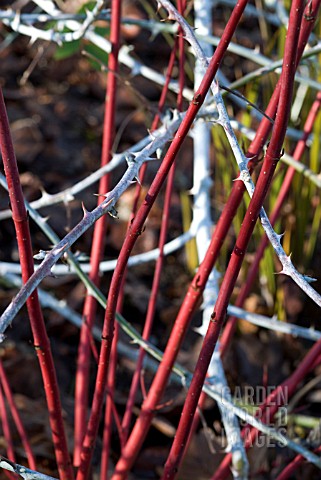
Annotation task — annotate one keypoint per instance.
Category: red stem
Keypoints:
(112, 370)
(251, 275)
(98, 243)
(41, 341)
(16, 417)
(142, 424)
(270, 162)
(162, 239)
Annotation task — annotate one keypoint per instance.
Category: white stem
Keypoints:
(242, 161)
(202, 216)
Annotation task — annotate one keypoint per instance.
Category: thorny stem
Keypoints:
(288, 268)
(134, 163)
(270, 162)
(262, 134)
(97, 250)
(142, 425)
(251, 274)
(41, 341)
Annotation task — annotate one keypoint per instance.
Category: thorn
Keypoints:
(284, 271)
(237, 178)
(44, 194)
(138, 181)
(108, 202)
(193, 191)
(59, 250)
(257, 49)
(309, 279)
(150, 133)
(105, 195)
(84, 209)
(279, 236)
(171, 16)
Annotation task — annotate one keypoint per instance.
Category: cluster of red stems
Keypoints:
(301, 23)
